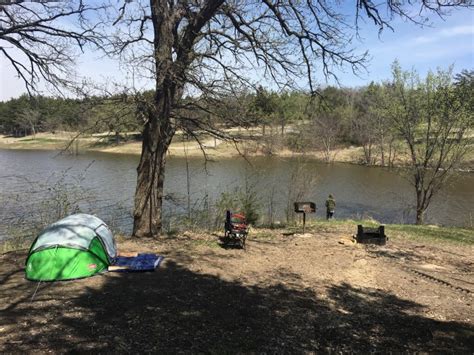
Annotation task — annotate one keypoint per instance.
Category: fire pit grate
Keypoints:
(366, 235)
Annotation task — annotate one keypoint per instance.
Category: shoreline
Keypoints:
(220, 149)
(215, 149)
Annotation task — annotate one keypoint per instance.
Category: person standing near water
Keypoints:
(330, 207)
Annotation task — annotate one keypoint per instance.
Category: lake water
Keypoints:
(34, 183)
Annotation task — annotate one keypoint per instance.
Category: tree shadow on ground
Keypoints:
(176, 310)
(228, 243)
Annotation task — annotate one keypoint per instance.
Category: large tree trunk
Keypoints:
(158, 130)
(151, 174)
(157, 136)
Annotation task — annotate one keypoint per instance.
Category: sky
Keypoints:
(443, 43)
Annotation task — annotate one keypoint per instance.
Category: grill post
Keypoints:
(305, 207)
(304, 221)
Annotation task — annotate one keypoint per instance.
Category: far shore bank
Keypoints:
(214, 148)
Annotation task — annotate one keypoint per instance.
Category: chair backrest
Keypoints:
(238, 218)
(228, 215)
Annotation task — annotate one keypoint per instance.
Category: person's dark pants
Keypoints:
(329, 214)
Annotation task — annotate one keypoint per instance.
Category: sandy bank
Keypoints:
(214, 148)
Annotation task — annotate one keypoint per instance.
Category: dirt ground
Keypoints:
(298, 293)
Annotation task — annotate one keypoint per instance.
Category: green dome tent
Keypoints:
(77, 246)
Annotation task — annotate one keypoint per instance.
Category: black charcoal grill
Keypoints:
(366, 235)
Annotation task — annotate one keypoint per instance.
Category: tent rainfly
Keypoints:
(77, 246)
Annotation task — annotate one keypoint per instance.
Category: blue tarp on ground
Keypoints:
(141, 262)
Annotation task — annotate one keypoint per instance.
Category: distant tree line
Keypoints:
(27, 115)
(366, 117)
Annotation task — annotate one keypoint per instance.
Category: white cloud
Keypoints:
(459, 30)
(439, 52)
(446, 33)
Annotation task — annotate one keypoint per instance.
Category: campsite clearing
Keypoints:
(285, 293)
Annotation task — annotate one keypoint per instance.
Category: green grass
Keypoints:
(413, 232)
(433, 233)
(348, 227)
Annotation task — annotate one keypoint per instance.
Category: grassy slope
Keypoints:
(426, 233)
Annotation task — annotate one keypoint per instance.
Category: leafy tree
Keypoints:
(326, 127)
(433, 119)
(112, 115)
(291, 107)
(464, 82)
(50, 114)
(28, 119)
(264, 107)
(9, 113)
(373, 128)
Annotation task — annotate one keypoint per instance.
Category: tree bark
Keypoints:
(382, 149)
(367, 147)
(420, 216)
(158, 130)
(150, 181)
(390, 158)
(420, 205)
(327, 145)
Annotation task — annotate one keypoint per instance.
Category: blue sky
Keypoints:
(445, 42)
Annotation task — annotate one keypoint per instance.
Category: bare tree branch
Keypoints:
(37, 40)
